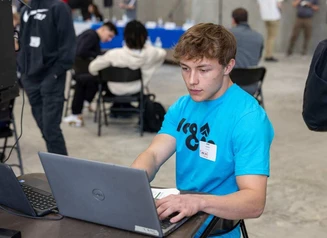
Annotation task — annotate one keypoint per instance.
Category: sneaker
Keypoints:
(271, 59)
(74, 120)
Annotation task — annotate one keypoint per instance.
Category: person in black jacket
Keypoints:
(88, 47)
(47, 52)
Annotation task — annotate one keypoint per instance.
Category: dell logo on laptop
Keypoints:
(98, 194)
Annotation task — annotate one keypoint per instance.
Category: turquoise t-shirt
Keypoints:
(239, 134)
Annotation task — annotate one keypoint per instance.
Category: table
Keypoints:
(68, 227)
(169, 38)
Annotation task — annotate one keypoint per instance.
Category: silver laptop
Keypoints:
(106, 194)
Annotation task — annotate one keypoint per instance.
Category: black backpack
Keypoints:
(315, 93)
(153, 115)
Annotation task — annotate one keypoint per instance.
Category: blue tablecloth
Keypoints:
(169, 38)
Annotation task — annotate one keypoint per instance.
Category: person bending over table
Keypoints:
(134, 54)
(88, 47)
(220, 134)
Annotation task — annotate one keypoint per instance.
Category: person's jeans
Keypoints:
(46, 96)
(85, 89)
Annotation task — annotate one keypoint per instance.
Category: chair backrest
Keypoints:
(247, 76)
(120, 75)
(81, 66)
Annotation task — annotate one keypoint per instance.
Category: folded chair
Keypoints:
(119, 75)
(8, 129)
(250, 76)
(219, 226)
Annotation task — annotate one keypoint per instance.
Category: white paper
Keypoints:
(159, 193)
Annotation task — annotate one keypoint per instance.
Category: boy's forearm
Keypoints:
(240, 205)
(146, 161)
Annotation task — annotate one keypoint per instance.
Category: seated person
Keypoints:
(134, 54)
(249, 44)
(88, 47)
(223, 149)
(95, 13)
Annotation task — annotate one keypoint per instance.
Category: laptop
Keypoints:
(104, 193)
(21, 197)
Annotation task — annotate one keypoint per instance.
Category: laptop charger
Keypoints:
(6, 233)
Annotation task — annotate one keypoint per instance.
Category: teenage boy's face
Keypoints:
(205, 79)
(107, 35)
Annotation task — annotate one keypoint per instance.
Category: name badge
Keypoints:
(35, 41)
(208, 151)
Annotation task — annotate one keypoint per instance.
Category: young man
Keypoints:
(88, 47)
(219, 132)
(305, 13)
(47, 41)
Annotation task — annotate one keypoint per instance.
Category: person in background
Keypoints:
(305, 12)
(47, 52)
(95, 13)
(270, 11)
(222, 150)
(134, 54)
(249, 44)
(130, 7)
(88, 48)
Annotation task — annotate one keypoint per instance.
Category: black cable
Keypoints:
(21, 128)
(57, 218)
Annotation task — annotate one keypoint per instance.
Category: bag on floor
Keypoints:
(154, 114)
(315, 92)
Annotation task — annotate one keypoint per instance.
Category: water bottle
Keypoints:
(148, 41)
(158, 42)
(160, 22)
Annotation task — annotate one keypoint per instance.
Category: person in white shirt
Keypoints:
(134, 54)
(270, 14)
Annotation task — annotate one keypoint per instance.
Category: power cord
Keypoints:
(21, 128)
(57, 218)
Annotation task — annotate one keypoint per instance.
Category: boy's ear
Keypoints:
(228, 68)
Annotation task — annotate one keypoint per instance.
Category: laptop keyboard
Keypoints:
(165, 223)
(41, 201)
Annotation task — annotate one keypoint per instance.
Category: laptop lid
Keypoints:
(11, 192)
(102, 193)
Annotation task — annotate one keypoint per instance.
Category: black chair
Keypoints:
(219, 226)
(8, 129)
(119, 75)
(250, 76)
(80, 70)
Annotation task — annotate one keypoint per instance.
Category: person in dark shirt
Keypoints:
(249, 44)
(88, 48)
(47, 41)
(305, 13)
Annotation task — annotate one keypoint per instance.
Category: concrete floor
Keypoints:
(297, 191)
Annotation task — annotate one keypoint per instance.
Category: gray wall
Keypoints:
(208, 11)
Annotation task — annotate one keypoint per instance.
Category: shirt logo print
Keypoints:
(192, 142)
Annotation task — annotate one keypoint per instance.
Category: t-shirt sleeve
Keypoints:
(252, 138)
(170, 124)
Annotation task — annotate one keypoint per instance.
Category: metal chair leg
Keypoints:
(68, 96)
(243, 229)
